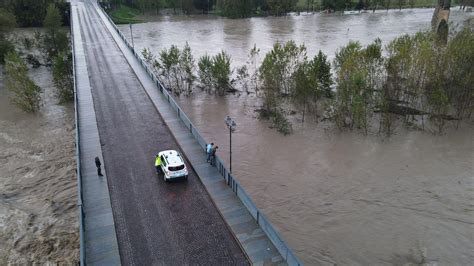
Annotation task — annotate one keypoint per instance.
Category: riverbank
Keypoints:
(127, 14)
(38, 199)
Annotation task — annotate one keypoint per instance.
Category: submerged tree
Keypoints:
(205, 72)
(169, 64)
(221, 72)
(187, 68)
(253, 67)
(277, 70)
(27, 95)
(359, 80)
(458, 69)
(7, 23)
(63, 77)
(54, 40)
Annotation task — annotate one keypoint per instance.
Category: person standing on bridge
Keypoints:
(208, 151)
(158, 164)
(98, 164)
(213, 155)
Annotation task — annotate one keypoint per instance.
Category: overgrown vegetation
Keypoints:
(54, 40)
(31, 13)
(419, 78)
(63, 77)
(7, 23)
(54, 46)
(125, 15)
(415, 80)
(27, 95)
(124, 11)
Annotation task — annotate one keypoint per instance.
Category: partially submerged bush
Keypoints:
(27, 95)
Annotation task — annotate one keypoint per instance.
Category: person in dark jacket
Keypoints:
(98, 164)
(213, 155)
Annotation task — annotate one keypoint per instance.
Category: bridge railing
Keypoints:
(82, 248)
(237, 188)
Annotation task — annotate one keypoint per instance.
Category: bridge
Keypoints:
(129, 216)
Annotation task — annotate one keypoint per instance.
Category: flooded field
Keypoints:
(38, 192)
(336, 197)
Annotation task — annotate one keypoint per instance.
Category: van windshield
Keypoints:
(176, 168)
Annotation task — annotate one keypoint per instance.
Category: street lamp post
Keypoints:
(231, 125)
(131, 34)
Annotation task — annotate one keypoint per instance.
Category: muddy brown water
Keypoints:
(336, 197)
(38, 192)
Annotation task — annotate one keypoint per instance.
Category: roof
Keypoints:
(173, 158)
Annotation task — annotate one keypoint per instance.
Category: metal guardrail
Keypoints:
(237, 188)
(82, 252)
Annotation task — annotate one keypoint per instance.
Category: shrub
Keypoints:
(27, 95)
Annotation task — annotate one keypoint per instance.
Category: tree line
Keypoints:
(52, 42)
(31, 13)
(248, 8)
(415, 80)
(230, 8)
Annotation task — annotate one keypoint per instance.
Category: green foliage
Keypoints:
(221, 72)
(337, 4)
(214, 72)
(459, 69)
(357, 82)
(148, 55)
(125, 15)
(278, 119)
(30, 13)
(27, 95)
(281, 123)
(169, 64)
(279, 7)
(304, 89)
(52, 21)
(6, 46)
(253, 68)
(277, 69)
(237, 8)
(176, 66)
(243, 77)
(63, 77)
(187, 68)
(321, 76)
(439, 104)
(7, 21)
(420, 76)
(55, 39)
(205, 71)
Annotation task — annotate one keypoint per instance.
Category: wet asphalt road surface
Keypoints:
(157, 223)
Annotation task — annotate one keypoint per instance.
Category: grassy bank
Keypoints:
(125, 15)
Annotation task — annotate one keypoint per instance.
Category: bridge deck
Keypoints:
(155, 222)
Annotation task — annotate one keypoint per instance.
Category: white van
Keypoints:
(172, 165)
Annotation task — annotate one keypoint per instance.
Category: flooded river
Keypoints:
(336, 197)
(38, 186)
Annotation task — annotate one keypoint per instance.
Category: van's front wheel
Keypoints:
(164, 178)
